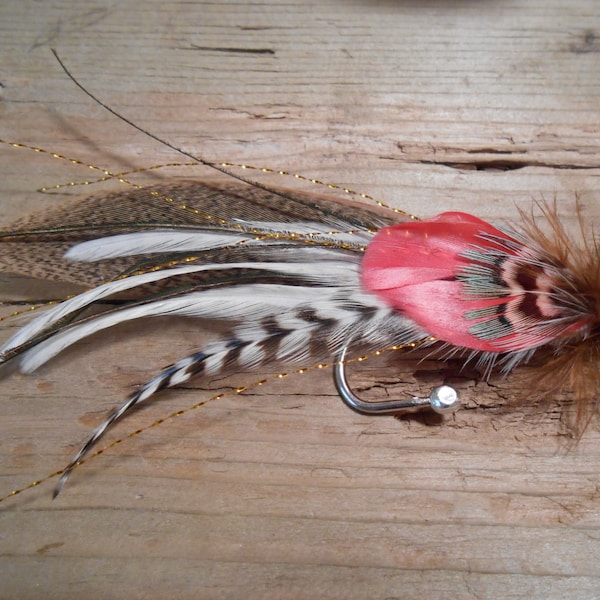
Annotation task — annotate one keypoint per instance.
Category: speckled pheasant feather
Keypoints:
(297, 277)
(300, 277)
(282, 270)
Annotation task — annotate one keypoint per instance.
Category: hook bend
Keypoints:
(443, 399)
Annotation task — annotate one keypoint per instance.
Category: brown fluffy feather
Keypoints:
(573, 365)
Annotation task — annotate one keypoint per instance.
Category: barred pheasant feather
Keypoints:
(282, 269)
(298, 277)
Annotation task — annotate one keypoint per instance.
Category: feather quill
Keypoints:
(298, 277)
(289, 287)
(301, 287)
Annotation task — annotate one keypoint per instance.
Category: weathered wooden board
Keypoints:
(283, 492)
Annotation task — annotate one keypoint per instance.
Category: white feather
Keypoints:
(295, 344)
(251, 356)
(181, 375)
(250, 302)
(331, 273)
(149, 242)
(317, 231)
(65, 308)
(159, 240)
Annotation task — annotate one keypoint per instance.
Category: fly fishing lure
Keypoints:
(300, 277)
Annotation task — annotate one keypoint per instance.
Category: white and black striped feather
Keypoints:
(283, 271)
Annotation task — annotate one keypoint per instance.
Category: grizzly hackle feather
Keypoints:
(282, 269)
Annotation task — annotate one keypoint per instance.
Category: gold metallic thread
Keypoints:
(121, 177)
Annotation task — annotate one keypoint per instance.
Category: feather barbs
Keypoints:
(503, 294)
(305, 284)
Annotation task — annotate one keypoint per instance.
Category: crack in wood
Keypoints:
(231, 50)
(498, 164)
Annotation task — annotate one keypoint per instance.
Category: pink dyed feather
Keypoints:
(415, 266)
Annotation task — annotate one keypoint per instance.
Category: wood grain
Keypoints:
(282, 492)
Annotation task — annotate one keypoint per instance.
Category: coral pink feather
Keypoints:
(469, 284)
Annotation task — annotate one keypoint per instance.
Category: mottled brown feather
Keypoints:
(573, 366)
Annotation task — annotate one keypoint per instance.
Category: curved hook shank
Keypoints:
(443, 399)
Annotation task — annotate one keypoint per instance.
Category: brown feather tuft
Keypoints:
(574, 363)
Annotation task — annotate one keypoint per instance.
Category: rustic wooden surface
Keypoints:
(283, 492)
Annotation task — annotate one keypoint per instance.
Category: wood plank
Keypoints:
(283, 492)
